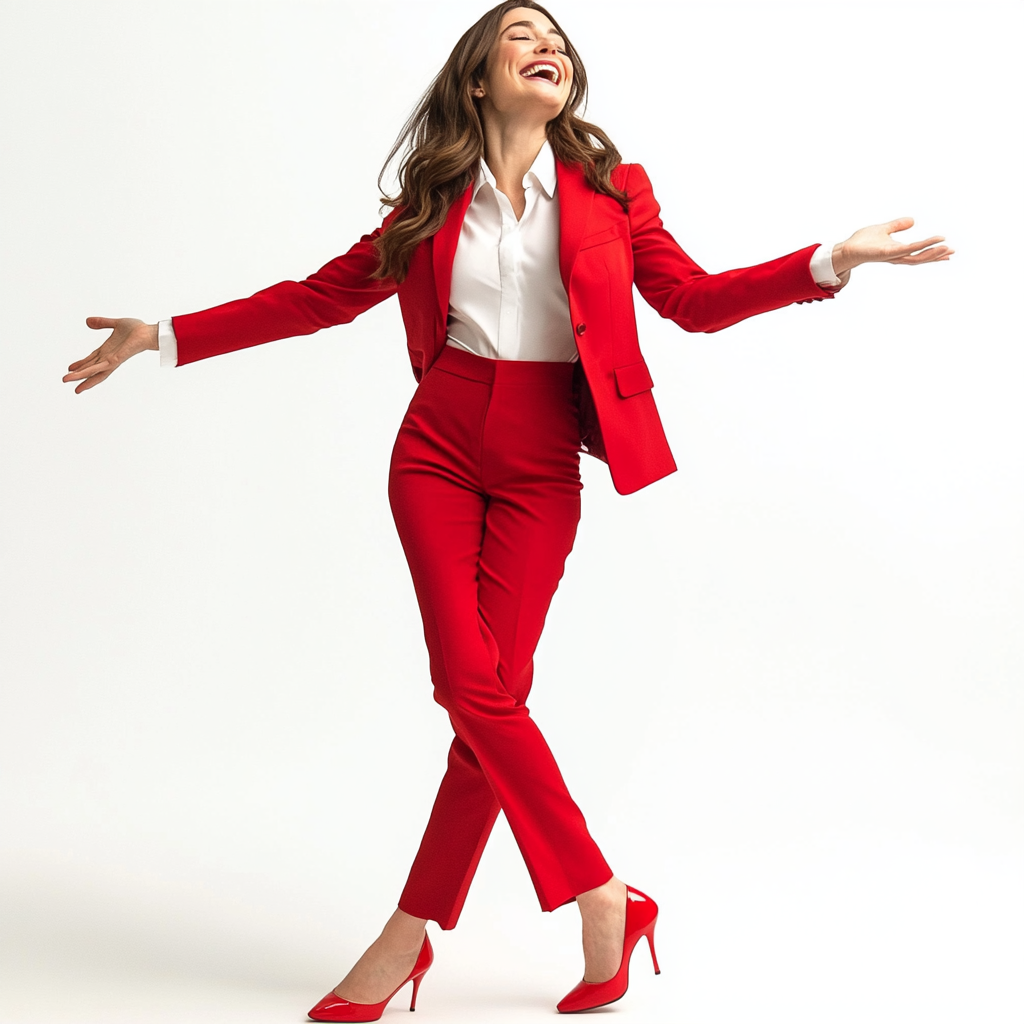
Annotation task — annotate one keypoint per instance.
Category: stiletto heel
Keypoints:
(654, 956)
(641, 917)
(334, 1008)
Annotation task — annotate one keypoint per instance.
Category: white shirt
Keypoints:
(507, 297)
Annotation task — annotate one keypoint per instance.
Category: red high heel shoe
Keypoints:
(641, 916)
(334, 1008)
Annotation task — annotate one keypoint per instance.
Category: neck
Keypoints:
(510, 147)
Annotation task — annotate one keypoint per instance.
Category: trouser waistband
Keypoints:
(502, 371)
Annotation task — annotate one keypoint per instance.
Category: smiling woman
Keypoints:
(514, 244)
(494, 77)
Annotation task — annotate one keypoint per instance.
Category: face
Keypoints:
(528, 72)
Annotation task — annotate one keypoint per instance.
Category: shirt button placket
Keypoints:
(508, 266)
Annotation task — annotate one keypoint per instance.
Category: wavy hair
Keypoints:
(443, 141)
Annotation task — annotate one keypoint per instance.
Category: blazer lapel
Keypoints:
(445, 243)
(575, 198)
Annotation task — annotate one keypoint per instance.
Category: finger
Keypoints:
(913, 261)
(921, 249)
(928, 256)
(88, 371)
(82, 362)
(98, 323)
(906, 250)
(931, 254)
(85, 365)
(899, 224)
(92, 382)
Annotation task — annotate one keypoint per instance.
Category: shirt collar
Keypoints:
(542, 171)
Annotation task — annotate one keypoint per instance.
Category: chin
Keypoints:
(553, 104)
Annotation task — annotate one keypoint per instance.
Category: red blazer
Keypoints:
(603, 252)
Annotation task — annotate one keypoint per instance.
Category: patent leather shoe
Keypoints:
(334, 1008)
(641, 916)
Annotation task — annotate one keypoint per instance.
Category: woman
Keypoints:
(513, 246)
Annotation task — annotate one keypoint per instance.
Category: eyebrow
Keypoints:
(530, 24)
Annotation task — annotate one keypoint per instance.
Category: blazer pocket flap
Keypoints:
(632, 379)
(616, 231)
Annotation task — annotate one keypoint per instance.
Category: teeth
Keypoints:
(530, 72)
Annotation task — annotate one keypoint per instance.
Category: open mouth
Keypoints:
(544, 72)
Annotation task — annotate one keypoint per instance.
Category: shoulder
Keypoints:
(631, 178)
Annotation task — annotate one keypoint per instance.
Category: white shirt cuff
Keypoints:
(821, 267)
(169, 343)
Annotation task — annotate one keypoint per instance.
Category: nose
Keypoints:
(547, 45)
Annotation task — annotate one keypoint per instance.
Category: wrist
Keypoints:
(839, 259)
(151, 336)
(842, 262)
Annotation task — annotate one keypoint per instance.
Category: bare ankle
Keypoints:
(403, 932)
(611, 892)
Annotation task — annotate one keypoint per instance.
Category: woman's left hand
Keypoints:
(875, 244)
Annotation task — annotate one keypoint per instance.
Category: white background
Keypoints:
(784, 684)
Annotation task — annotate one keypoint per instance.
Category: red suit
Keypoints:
(484, 487)
(603, 253)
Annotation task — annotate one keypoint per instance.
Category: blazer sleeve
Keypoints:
(680, 290)
(336, 294)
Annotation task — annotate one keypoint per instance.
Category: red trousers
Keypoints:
(485, 491)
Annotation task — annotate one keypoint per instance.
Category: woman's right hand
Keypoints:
(129, 337)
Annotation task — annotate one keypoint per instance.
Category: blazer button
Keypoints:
(581, 328)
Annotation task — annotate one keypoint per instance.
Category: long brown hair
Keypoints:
(445, 140)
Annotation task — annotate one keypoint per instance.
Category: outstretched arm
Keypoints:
(337, 293)
(682, 291)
